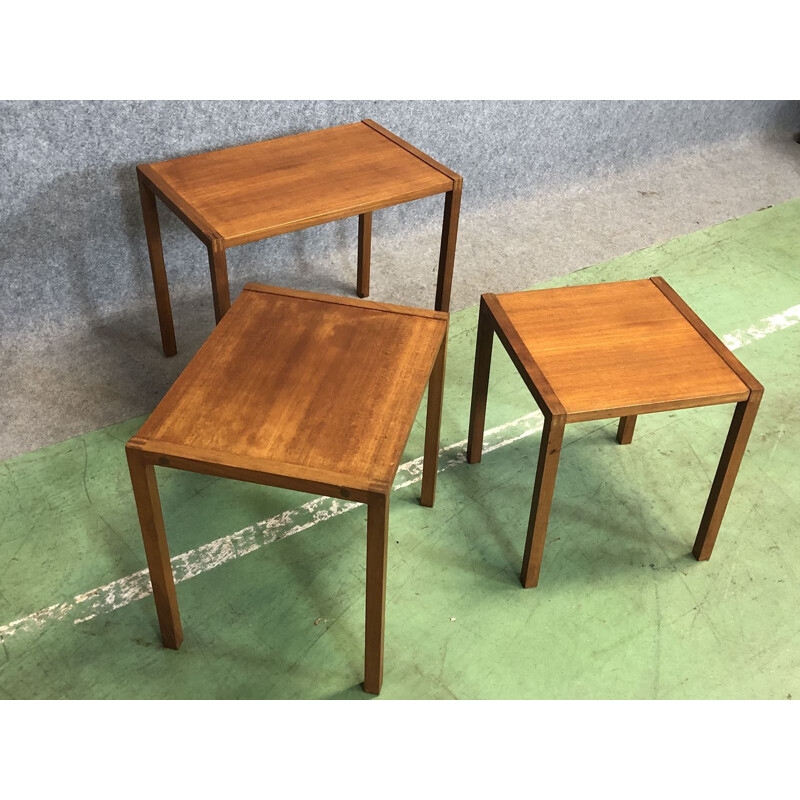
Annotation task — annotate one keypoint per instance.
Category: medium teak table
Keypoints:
(611, 350)
(250, 192)
(300, 391)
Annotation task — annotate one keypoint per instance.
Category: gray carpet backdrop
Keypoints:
(73, 251)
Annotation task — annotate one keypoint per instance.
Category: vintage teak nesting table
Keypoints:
(300, 391)
(243, 194)
(604, 351)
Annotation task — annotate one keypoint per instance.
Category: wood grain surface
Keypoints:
(609, 348)
(253, 191)
(325, 386)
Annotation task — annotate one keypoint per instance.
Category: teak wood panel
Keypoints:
(327, 386)
(249, 192)
(607, 348)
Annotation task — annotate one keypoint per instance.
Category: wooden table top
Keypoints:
(298, 384)
(633, 346)
(253, 191)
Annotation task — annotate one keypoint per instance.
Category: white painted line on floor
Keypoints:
(777, 322)
(194, 562)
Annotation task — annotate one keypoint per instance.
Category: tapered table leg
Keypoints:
(480, 384)
(152, 231)
(433, 424)
(151, 520)
(625, 429)
(364, 252)
(377, 547)
(732, 452)
(447, 253)
(218, 264)
(549, 451)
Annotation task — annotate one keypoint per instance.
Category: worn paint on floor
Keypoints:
(272, 600)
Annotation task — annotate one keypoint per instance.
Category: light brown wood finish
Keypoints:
(710, 338)
(607, 349)
(611, 350)
(364, 253)
(546, 471)
(218, 265)
(153, 232)
(625, 429)
(275, 396)
(538, 383)
(251, 192)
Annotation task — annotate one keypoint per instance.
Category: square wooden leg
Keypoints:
(151, 520)
(480, 383)
(549, 452)
(152, 230)
(625, 429)
(364, 252)
(218, 264)
(433, 425)
(447, 253)
(377, 548)
(732, 452)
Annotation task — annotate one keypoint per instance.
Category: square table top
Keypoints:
(253, 191)
(312, 387)
(603, 350)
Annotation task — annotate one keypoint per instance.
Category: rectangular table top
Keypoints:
(305, 385)
(602, 349)
(253, 191)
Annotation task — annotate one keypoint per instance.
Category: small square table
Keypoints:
(611, 350)
(254, 191)
(301, 391)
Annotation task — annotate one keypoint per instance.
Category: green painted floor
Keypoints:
(622, 609)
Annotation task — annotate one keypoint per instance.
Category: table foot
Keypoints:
(625, 429)
(377, 548)
(732, 452)
(549, 452)
(151, 520)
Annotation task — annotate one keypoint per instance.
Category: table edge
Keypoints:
(711, 339)
(431, 162)
(368, 305)
(256, 470)
(198, 224)
(544, 394)
(658, 406)
(205, 231)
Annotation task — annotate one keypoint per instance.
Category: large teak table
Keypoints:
(611, 350)
(300, 391)
(243, 194)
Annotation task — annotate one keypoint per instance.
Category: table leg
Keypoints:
(729, 462)
(364, 251)
(447, 253)
(549, 451)
(433, 424)
(480, 383)
(154, 247)
(218, 264)
(151, 520)
(377, 546)
(625, 429)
